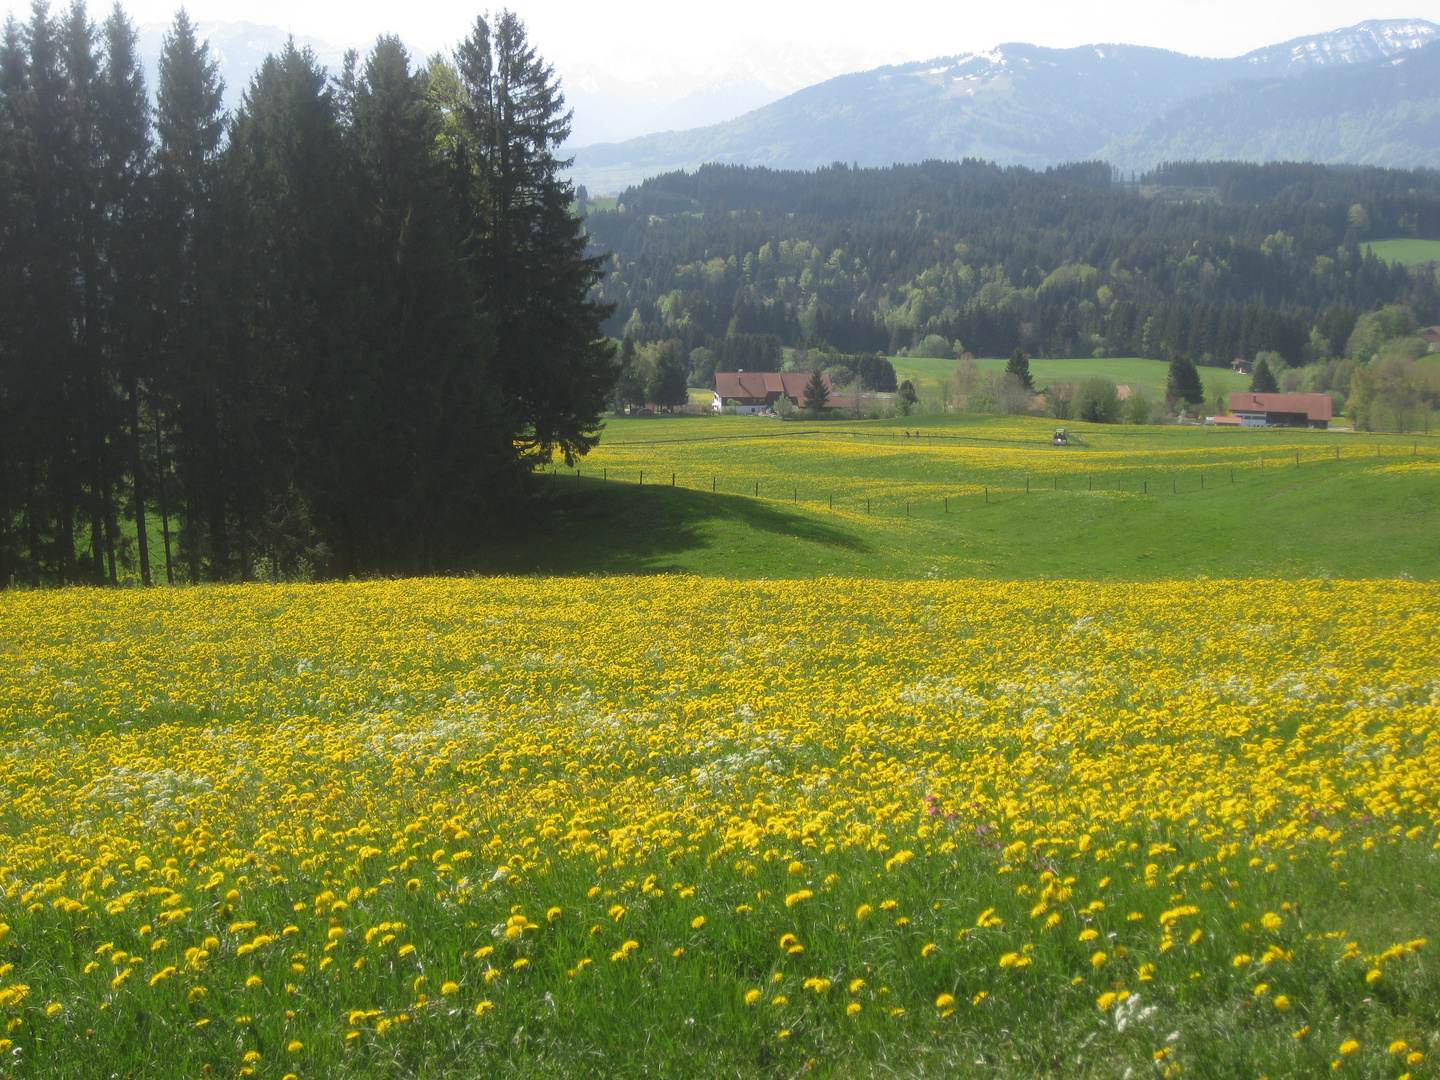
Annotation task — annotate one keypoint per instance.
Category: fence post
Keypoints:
(867, 506)
(1337, 453)
(604, 474)
(987, 494)
(1055, 483)
(1174, 486)
(947, 504)
(832, 502)
(1147, 487)
(796, 499)
(1297, 459)
(713, 481)
(757, 489)
(1232, 474)
(1089, 482)
(672, 479)
(1202, 481)
(642, 477)
(1027, 485)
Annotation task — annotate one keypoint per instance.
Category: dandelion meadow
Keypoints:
(691, 827)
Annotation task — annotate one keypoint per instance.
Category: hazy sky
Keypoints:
(636, 36)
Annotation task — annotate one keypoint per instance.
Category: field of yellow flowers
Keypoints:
(690, 827)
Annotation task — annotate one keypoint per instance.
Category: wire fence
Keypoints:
(1189, 479)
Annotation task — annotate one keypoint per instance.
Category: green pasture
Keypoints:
(1141, 375)
(1407, 252)
(754, 498)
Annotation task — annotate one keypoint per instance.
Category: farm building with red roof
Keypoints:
(1282, 410)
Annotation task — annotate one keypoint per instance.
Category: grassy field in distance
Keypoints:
(1408, 252)
(1141, 375)
(1128, 504)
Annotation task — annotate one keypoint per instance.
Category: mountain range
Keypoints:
(1368, 93)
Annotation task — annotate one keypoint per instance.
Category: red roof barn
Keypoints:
(1282, 410)
(756, 391)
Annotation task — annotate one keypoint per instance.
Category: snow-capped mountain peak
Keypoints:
(1371, 40)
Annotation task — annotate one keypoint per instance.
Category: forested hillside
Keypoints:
(1380, 113)
(1217, 260)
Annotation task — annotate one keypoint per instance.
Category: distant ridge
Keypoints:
(1015, 104)
(1385, 112)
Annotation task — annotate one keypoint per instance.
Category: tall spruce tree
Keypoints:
(48, 386)
(816, 396)
(15, 551)
(286, 328)
(1019, 366)
(532, 274)
(1262, 379)
(1182, 382)
(189, 122)
(124, 189)
(95, 409)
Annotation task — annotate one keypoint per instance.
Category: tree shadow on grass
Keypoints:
(617, 528)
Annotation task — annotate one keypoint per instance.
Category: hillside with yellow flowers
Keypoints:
(698, 826)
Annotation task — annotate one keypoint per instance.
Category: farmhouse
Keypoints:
(1431, 335)
(1282, 410)
(1242, 367)
(757, 391)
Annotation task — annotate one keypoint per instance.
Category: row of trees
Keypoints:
(327, 334)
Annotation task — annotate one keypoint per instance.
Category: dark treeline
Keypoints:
(329, 334)
(1064, 263)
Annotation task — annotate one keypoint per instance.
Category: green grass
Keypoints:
(1142, 376)
(860, 498)
(1407, 252)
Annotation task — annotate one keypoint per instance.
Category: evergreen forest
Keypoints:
(330, 333)
(1215, 260)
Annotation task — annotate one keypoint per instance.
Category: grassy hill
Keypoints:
(949, 500)
(1146, 376)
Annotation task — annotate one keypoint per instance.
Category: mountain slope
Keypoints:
(1386, 112)
(1017, 104)
(1020, 104)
